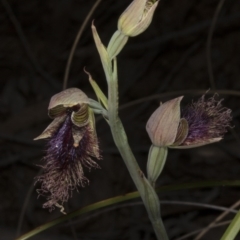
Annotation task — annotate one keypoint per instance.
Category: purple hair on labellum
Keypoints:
(72, 145)
(207, 120)
(63, 171)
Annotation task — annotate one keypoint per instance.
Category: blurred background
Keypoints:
(168, 60)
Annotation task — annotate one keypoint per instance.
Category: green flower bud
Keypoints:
(137, 17)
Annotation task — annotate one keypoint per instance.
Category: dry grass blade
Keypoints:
(209, 41)
(219, 218)
(197, 231)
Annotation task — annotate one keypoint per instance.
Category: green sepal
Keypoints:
(107, 66)
(156, 160)
(99, 93)
(116, 44)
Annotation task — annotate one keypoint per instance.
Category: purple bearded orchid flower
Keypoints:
(72, 144)
(202, 122)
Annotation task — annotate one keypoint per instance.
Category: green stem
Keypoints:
(147, 193)
(233, 228)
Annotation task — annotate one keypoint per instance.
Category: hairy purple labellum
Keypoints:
(69, 149)
(200, 123)
(207, 120)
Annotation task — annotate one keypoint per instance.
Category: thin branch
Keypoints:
(163, 202)
(79, 34)
(209, 41)
(199, 230)
(219, 218)
(177, 93)
(24, 207)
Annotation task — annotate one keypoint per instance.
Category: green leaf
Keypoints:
(126, 197)
(233, 228)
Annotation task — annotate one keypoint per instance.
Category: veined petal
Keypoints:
(137, 17)
(66, 99)
(132, 15)
(145, 22)
(163, 124)
(80, 117)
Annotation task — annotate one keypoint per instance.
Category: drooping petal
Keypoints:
(69, 149)
(52, 127)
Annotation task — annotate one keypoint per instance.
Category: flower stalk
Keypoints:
(146, 191)
(130, 24)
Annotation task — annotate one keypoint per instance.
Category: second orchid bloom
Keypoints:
(200, 123)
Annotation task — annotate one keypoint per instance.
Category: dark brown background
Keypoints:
(170, 56)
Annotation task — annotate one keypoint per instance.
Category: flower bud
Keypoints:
(137, 17)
